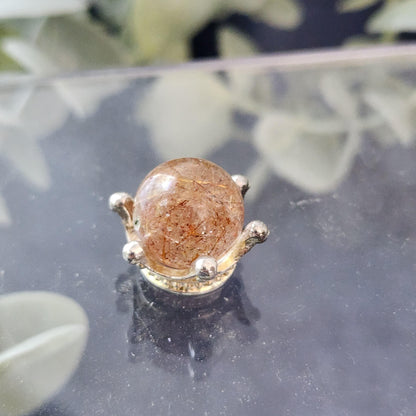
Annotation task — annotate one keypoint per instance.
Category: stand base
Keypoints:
(189, 287)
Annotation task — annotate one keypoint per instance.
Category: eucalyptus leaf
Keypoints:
(344, 6)
(10, 9)
(154, 25)
(187, 114)
(337, 95)
(29, 56)
(232, 44)
(40, 102)
(178, 51)
(259, 173)
(397, 112)
(244, 6)
(40, 350)
(28, 29)
(7, 63)
(66, 44)
(283, 14)
(115, 11)
(12, 102)
(314, 163)
(20, 112)
(26, 156)
(397, 16)
(73, 43)
(5, 218)
(81, 100)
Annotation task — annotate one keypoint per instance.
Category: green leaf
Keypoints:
(28, 56)
(13, 101)
(30, 8)
(283, 14)
(153, 26)
(338, 96)
(347, 6)
(234, 44)
(77, 43)
(6, 62)
(5, 218)
(24, 28)
(314, 163)
(67, 44)
(114, 11)
(42, 348)
(395, 109)
(80, 99)
(244, 6)
(176, 99)
(39, 102)
(398, 16)
(27, 158)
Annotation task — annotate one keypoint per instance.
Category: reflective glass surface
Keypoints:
(318, 320)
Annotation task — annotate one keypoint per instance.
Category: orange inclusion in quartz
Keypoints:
(186, 208)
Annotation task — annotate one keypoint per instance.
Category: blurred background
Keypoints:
(48, 36)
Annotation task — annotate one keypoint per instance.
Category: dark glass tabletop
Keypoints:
(318, 320)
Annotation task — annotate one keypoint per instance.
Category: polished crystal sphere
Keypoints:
(184, 209)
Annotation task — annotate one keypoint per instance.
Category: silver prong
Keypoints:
(122, 203)
(258, 230)
(255, 232)
(205, 268)
(133, 253)
(242, 182)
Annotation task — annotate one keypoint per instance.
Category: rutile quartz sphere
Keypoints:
(186, 208)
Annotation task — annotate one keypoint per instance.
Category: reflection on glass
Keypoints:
(183, 338)
(306, 126)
